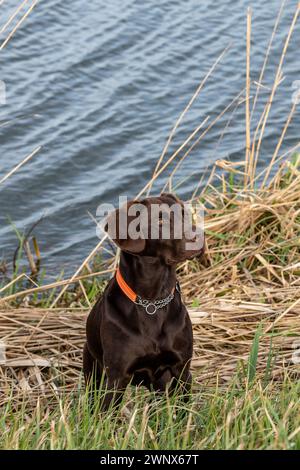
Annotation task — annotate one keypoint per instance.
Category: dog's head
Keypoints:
(159, 227)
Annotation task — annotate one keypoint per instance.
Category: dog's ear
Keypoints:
(117, 224)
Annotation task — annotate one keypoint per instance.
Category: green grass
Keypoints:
(242, 415)
(247, 413)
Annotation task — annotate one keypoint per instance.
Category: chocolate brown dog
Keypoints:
(139, 331)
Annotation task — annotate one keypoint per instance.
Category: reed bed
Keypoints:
(42, 348)
(42, 351)
(243, 296)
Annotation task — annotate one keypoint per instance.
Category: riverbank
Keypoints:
(248, 277)
(244, 303)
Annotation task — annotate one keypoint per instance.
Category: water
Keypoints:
(100, 84)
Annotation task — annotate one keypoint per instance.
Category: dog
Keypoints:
(139, 331)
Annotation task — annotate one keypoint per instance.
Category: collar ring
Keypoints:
(151, 309)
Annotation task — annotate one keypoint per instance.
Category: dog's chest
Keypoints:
(155, 333)
(153, 363)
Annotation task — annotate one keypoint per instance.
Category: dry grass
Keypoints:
(43, 349)
(13, 17)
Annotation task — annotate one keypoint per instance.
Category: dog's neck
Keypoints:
(147, 277)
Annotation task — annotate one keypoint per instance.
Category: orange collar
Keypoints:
(125, 287)
(149, 306)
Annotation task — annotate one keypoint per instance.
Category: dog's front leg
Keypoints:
(91, 369)
(115, 391)
(94, 377)
(181, 383)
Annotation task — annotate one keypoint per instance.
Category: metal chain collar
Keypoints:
(152, 307)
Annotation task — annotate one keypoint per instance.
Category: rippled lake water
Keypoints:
(99, 86)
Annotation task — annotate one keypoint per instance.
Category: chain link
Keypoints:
(152, 307)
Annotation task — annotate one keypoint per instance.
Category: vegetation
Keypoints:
(242, 415)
